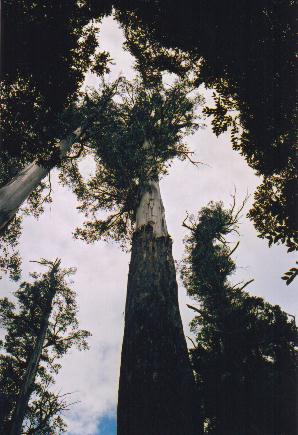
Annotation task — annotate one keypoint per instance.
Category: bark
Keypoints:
(156, 387)
(151, 210)
(14, 193)
(32, 366)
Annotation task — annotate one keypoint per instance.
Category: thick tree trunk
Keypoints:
(156, 388)
(14, 193)
(32, 366)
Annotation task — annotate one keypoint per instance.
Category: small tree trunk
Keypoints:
(156, 387)
(31, 370)
(14, 193)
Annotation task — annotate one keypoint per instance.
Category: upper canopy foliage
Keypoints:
(134, 131)
(46, 49)
(245, 52)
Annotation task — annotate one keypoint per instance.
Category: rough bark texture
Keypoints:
(14, 193)
(156, 388)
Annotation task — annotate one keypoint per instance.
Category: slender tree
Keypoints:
(142, 130)
(41, 331)
(245, 354)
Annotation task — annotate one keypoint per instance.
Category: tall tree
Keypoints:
(39, 331)
(245, 350)
(134, 139)
(245, 52)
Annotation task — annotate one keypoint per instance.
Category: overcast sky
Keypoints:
(101, 277)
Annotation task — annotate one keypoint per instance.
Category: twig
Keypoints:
(234, 249)
(195, 309)
(194, 162)
(248, 282)
(190, 339)
(185, 225)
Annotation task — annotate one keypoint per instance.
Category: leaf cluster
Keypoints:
(275, 213)
(247, 54)
(47, 48)
(134, 131)
(10, 260)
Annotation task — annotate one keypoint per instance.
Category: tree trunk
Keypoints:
(14, 193)
(156, 387)
(31, 370)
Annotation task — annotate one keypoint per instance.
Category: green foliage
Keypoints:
(245, 53)
(47, 48)
(245, 355)
(150, 56)
(135, 131)
(290, 275)
(274, 212)
(10, 260)
(22, 322)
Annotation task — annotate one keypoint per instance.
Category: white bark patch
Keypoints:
(14, 193)
(151, 210)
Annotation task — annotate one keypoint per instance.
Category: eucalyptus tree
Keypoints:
(40, 329)
(245, 349)
(135, 137)
(245, 53)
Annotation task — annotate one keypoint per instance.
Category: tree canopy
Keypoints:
(134, 131)
(47, 47)
(243, 51)
(245, 350)
(247, 52)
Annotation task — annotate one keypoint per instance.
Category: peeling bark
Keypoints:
(156, 387)
(151, 210)
(14, 193)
